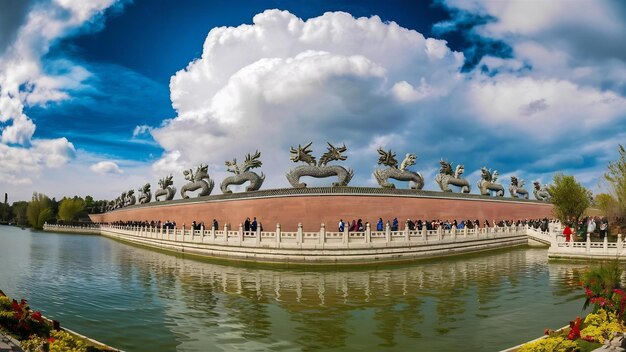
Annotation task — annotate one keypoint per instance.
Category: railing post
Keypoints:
(299, 234)
(424, 232)
(439, 233)
(183, 239)
(606, 244)
(202, 230)
(406, 231)
(368, 233)
(588, 244)
(465, 231)
(453, 230)
(258, 235)
(240, 232)
(322, 235)
(388, 233)
(213, 229)
(620, 244)
(344, 236)
(225, 233)
(277, 233)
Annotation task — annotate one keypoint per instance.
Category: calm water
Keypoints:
(141, 300)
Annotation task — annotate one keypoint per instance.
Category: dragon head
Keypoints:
(513, 180)
(302, 154)
(333, 154)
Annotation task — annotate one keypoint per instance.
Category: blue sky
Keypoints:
(101, 97)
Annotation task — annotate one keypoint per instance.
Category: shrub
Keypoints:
(61, 341)
(550, 344)
(601, 326)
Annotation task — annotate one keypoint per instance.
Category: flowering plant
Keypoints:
(603, 290)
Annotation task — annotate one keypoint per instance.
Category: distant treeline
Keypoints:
(41, 209)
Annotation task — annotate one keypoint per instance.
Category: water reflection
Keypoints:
(144, 300)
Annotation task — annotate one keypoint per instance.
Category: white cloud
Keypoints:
(106, 167)
(24, 81)
(283, 81)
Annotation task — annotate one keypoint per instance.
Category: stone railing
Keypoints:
(319, 247)
(300, 237)
(588, 249)
(92, 229)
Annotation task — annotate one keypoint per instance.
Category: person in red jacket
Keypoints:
(567, 232)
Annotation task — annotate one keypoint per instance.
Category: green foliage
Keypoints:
(569, 197)
(39, 210)
(607, 204)
(70, 208)
(603, 289)
(20, 212)
(616, 178)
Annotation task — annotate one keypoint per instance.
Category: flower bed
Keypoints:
(607, 321)
(35, 332)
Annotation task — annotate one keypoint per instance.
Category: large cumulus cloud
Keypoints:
(282, 81)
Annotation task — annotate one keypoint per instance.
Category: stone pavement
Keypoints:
(8, 344)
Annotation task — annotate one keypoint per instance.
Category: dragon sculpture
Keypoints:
(120, 201)
(541, 193)
(130, 198)
(488, 183)
(200, 180)
(242, 173)
(416, 181)
(167, 189)
(446, 177)
(318, 169)
(517, 188)
(145, 196)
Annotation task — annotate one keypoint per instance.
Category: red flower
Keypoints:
(36, 316)
(574, 329)
(51, 339)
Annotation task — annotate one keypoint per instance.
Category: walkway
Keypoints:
(9, 344)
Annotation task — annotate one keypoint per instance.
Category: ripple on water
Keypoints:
(142, 300)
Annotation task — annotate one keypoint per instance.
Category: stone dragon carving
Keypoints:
(517, 188)
(318, 169)
(200, 180)
(541, 193)
(446, 177)
(167, 189)
(388, 158)
(243, 174)
(488, 183)
(130, 198)
(145, 196)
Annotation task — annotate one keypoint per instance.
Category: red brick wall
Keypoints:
(312, 210)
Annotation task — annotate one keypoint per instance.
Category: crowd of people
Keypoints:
(589, 225)
(359, 226)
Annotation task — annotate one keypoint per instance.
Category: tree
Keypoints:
(616, 178)
(607, 204)
(39, 210)
(70, 208)
(19, 212)
(570, 198)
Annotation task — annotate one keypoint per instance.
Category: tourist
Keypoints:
(410, 224)
(359, 225)
(567, 232)
(603, 228)
(591, 226)
(246, 225)
(394, 224)
(353, 227)
(379, 224)
(254, 224)
(341, 225)
(215, 225)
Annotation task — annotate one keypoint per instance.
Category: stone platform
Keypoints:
(312, 206)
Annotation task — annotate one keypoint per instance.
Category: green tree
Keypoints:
(570, 198)
(19, 212)
(39, 210)
(616, 178)
(607, 204)
(69, 209)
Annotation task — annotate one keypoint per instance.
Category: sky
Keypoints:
(102, 96)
